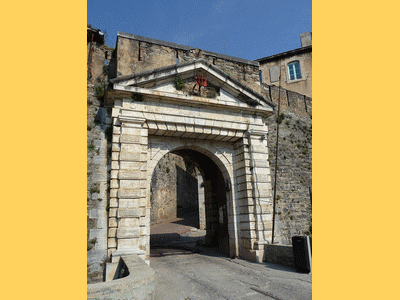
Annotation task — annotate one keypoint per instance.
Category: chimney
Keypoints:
(305, 39)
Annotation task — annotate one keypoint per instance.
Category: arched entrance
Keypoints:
(224, 136)
(177, 195)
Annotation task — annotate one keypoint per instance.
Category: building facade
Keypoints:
(292, 70)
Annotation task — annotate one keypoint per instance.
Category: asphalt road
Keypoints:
(184, 274)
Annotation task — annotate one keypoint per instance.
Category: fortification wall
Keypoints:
(136, 54)
(290, 101)
(294, 174)
(98, 150)
(100, 62)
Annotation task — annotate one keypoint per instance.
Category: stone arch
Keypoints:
(223, 160)
(152, 118)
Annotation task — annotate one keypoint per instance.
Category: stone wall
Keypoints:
(136, 54)
(293, 204)
(245, 73)
(139, 284)
(173, 190)
(290, 101)
(98, 146)
(279, 254)
(100, 62)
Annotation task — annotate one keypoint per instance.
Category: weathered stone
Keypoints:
(228, 129)
(128, 232)
(129, 193)
(129, 212)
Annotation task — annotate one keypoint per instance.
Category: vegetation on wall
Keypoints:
(212, 94)
(280, 118)
(99, 89)
(179, 83)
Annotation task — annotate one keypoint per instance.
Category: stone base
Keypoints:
(115, 256)
(257, 256)
(111, 268)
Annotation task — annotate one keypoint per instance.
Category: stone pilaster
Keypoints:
(129, 211)
(262, 195)
(254, 194)
(244, 197)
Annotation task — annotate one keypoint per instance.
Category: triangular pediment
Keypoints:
(220, 86)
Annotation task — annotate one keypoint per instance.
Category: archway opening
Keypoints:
(188, 202)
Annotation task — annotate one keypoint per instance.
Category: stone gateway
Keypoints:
(224, 135)
(154, 106)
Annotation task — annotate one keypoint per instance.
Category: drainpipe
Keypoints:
(276, 156)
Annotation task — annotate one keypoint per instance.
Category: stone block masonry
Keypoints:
(98, 124)
(139, 283)
(290, 101)
(293, 206)
(234, 128)
(100, 63)
(174, 189)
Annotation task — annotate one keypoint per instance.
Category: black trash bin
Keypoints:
(302, 253)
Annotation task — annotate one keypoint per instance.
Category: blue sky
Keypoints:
(247, 29)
